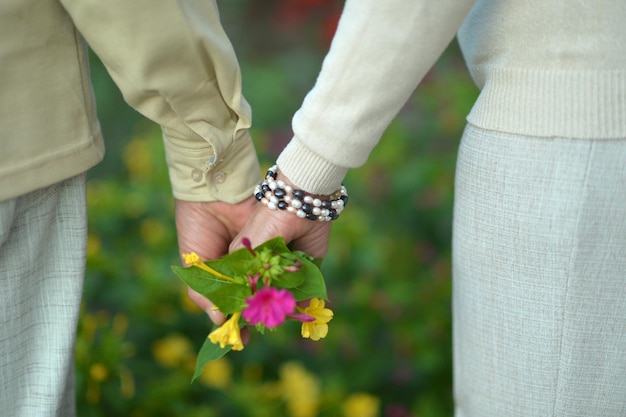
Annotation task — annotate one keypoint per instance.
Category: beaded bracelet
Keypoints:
(277, 195)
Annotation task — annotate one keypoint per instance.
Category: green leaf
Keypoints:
(276, 245)
(289, 279)
(199, 280)
(208, 352)
(313, 285)
(230, 298)
(318, 262)
(237, 264)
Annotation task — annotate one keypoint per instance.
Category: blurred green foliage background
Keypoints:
(388, 352)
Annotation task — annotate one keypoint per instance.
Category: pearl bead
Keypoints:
(296, 203)
(301, 214)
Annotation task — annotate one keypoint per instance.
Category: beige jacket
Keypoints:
(172, 62)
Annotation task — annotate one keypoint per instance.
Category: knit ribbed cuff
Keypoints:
(309, 171)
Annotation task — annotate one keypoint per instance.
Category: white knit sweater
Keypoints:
(545, 68)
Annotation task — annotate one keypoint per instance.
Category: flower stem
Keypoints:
(214, 272)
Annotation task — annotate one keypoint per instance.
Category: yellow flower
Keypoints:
(317, 329)
(98, 372)
(301, 390)
(228, 333)
(172, 351)
(192, 259)
(217, 374)
(361, 404)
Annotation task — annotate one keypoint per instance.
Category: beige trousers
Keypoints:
(539, 271)
(42, 262)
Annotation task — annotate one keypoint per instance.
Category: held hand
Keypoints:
(305, 235)
(208, 228)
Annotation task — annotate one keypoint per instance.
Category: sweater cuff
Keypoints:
(309, 171)
(199, 173)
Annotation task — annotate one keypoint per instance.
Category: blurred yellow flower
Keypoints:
(217, 374)
(138, 159)
(172, 351)
(317, 329)
(120, 324)
(152, 231)
(98, 372)
(93, 245)
(362, 405)
(228, 333)
(300, 390)
(127, 383)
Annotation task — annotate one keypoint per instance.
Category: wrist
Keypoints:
(278, 193)
(308, 170)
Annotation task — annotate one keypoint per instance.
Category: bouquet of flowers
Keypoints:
(262, 288)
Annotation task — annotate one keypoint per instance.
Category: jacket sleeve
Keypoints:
(174, 64)
(380, 52)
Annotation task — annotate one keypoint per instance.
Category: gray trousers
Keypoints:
(539, 270)
(42, 262)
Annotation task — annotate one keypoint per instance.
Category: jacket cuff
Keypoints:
(198, 172)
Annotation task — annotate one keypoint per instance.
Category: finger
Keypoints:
(304, 235)
(206, 305)
(245, 335)
(315, 243)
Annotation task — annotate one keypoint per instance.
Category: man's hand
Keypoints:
(208, 229)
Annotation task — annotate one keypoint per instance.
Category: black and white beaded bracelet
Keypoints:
(277, 195)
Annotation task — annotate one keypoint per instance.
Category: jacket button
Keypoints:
(219, 177)
(196, 175)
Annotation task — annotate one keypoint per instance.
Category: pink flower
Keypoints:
(269, 306)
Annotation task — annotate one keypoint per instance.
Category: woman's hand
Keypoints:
(305, 235)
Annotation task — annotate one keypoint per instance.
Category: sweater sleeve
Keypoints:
(174, 64)
(380, 52)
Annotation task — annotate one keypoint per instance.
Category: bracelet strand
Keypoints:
(277, 195)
